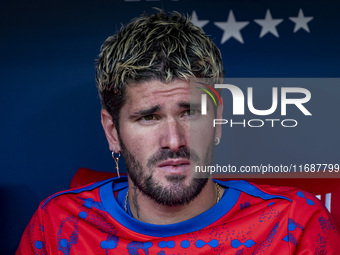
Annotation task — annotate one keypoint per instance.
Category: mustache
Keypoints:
(164, 154)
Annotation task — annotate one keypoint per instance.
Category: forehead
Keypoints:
(156, 92)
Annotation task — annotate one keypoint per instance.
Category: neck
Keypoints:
(147, 210)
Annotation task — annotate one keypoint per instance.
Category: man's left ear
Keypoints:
(110, 131)
(219, 115)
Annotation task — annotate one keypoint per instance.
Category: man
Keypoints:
(143, 75)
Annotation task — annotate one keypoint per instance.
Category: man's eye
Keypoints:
(191, 112)
(148, 117)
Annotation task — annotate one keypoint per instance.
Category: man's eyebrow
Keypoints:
(145, 112)
(188, 105)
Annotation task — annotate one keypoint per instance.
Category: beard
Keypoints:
(176, 192)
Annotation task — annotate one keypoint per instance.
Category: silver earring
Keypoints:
(217, 140)
(116, 159)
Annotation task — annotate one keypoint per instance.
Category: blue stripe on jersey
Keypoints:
(85, 188)
(250, 189)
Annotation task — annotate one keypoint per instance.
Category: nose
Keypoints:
(174, 135)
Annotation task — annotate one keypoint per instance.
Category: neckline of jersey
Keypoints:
(196, 223)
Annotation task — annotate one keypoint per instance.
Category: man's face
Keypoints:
(154, 138)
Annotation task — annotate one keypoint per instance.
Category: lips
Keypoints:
(174, 162)
(175, 165)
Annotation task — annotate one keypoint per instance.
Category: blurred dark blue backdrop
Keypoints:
(50, 111)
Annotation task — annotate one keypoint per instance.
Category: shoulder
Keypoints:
(87, 192)
(296, 196)
(302, 205)
(265, 192)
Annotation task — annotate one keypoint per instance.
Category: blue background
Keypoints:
(50, 111)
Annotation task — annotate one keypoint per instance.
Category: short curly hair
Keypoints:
(160, 47)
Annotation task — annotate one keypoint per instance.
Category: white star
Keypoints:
(301, 21)
(231, 28)
(268, 24)
(196, 22)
